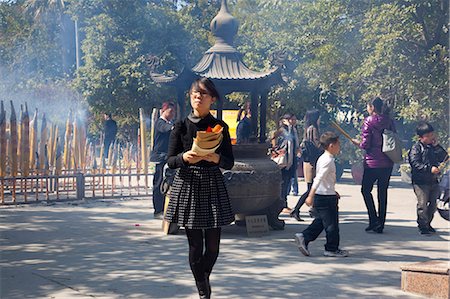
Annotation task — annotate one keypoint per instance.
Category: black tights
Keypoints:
(202, 263)
(302, 199)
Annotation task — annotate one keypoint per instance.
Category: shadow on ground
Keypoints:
(115, 250)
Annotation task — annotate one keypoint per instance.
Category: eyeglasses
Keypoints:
(202, 93)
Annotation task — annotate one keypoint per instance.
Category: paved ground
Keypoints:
(114, 249)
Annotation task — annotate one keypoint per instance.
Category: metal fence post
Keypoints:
(79, 177)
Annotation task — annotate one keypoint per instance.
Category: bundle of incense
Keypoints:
(208, 141)
(58, 157)
(55, 146)
(152, 128)
(82, 141)
(25, 142)
(43, 142)
(3, 152)
(337, 127)
(33, 140)
(144, 162)
(13, 141)
(75, 145)
(67, 143)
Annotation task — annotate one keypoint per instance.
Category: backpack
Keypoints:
(392, 146)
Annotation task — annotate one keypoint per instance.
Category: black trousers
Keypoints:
(202, 261)
(382, 177)
(158, 197)
(327, 217)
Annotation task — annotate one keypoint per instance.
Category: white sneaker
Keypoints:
(337, 253)
(300, 240)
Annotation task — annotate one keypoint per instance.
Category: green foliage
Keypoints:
(114, 77)
(397, 49)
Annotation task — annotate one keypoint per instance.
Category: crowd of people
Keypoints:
(199, 200)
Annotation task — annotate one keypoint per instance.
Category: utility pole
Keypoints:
(77, 47)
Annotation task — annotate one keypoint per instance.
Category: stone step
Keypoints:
(429, 278)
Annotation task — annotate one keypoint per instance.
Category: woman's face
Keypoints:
(285, 121)
(370, 109)
(201, 100)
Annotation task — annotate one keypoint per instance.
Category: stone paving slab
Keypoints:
(114, 249)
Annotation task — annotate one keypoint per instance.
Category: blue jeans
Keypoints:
(294, 184)
(286, 177)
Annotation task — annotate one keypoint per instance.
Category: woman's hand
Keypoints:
(191, 157)
(355, 142)
(213, 157)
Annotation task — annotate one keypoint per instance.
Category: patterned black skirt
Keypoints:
(199, 199)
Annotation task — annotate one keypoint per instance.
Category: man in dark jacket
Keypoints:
(163, 127)
(425, 157)
(110, 131)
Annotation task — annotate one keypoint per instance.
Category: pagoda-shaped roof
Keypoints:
(226, 66)
(222, 61)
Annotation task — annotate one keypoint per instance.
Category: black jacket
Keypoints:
(422, 157)
(181, 139)
(161, 140)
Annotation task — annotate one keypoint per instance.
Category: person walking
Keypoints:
(377, 166)
(284, 139)
(294, 181)
(198, 199)
(425, 157)
(163, 127)
(311, 135)
(324, 198)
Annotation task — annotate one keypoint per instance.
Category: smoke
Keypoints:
(56, 99)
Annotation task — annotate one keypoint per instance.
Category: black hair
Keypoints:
(286, 116)
(208, 84)
(328, 138)
(424, 128)
(311, 118)
(108, 114)
(242, 110)
(380, 106)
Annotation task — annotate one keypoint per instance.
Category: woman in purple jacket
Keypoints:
(377, 166)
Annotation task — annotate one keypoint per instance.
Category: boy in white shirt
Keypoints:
(325, 199)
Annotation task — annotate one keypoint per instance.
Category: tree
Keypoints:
(114, 77)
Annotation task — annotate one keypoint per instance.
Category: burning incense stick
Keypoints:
(337, 127)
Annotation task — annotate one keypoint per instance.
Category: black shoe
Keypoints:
(296, 215)
(425, 231)
(203, 290)
(432, 230)
(371, 227)
(378, 229)
(159, 216)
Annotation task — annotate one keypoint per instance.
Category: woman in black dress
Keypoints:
(198, 198)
